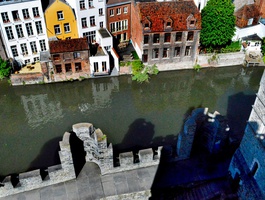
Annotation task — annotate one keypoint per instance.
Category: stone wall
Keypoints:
(248, 161)
(37, 178)
(26, 79)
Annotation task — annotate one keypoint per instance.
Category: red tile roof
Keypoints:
(60, 46)
(160, 12)
(245, 13)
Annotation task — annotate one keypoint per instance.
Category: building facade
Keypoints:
(171, 37)
(22, 27)
(60, 20)
(90, 17)
(70, 59)
(247, 167)
(119, 19)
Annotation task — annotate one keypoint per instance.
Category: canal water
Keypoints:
(34, 118)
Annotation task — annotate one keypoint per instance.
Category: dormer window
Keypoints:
(168, 24)
(191, 22)
(146, 25)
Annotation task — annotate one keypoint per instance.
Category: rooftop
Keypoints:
(157, 13)
(104, 33)
(118, 2)
(60, 46)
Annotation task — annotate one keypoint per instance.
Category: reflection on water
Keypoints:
(39, 110)
(130, 114)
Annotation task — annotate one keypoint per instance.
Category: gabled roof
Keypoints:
(60, 46)
(159, 12)
(245, 13)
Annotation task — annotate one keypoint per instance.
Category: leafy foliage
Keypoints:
(218, 23)
(263, 48)
(142, 73)
(197, 67)
(5, 68)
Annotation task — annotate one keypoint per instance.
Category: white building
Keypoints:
(200, 4)
(23, 29)
(90, 16)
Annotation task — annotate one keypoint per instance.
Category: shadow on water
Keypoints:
(48, 155)
(78, 153)
(238, 111)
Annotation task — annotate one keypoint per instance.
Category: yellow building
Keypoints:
(60, 20)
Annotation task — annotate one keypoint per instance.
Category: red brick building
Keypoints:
(119, 19)
(164, 32)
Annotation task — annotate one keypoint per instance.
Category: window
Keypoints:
(42, 45)
(58, 68)
(254, 169)
(124, 25)
(101, 24)
(146, 25)
(26, 61)
(165, 52)
(187, 51)
(57, 29)
(95, 66)
(60, 15)
(84, 22)
(35, 11)
(91, 36)
(100, 11)
(146, 39)
(250, 21)
(39, 27)
(25, 13)
(66, 27)
(125, 9)
(36, 59)
(178, 36)
(15, 15)
(68, 67)
(177, 51)
(19, 31)
(156, 38)
(29, 29)
(9, 32)
(90, 3)
(168, 24)
(77, 55)
(92, 21)
(112, 27)
(56, 57)
(104, 66)
(111, 12)
(118, 11)
(190, 36)
(118, 26)
(78, 67)
(5, 17)
(14, 51)
(155, 53)
(24, 49)
(33, 47)
(82, 4)
(167, 37)
(67, 56)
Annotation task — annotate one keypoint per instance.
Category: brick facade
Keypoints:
(171, 37)
(119, 19)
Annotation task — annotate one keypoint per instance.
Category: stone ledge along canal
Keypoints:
(133, 116)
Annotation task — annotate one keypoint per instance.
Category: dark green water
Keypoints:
(34, 118)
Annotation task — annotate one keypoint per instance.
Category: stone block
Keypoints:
(126, 159)
(146, 155)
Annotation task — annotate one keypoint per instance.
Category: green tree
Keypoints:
(218, 23)
(5, 68)
(263, 48)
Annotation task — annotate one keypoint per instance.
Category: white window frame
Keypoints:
(100, 11)
(82, 5)
(118, 11)
(14, 50)
(5, 17)
(90, 4)
(29, 29)
(19, 30)
(111, 12)
(39, 27)
(9, 33)
(25, 13)
(60, 15)
(57, 29)
(84, 22)
(35, 11)
(42, 45)
(33, 47)
(67, 28)
(125, 9)
(92, 21)
(101, 24)
(24, 49)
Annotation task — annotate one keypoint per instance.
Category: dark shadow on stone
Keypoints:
(78, 153)
(238, 111)
(48, 155)
(139, 136)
